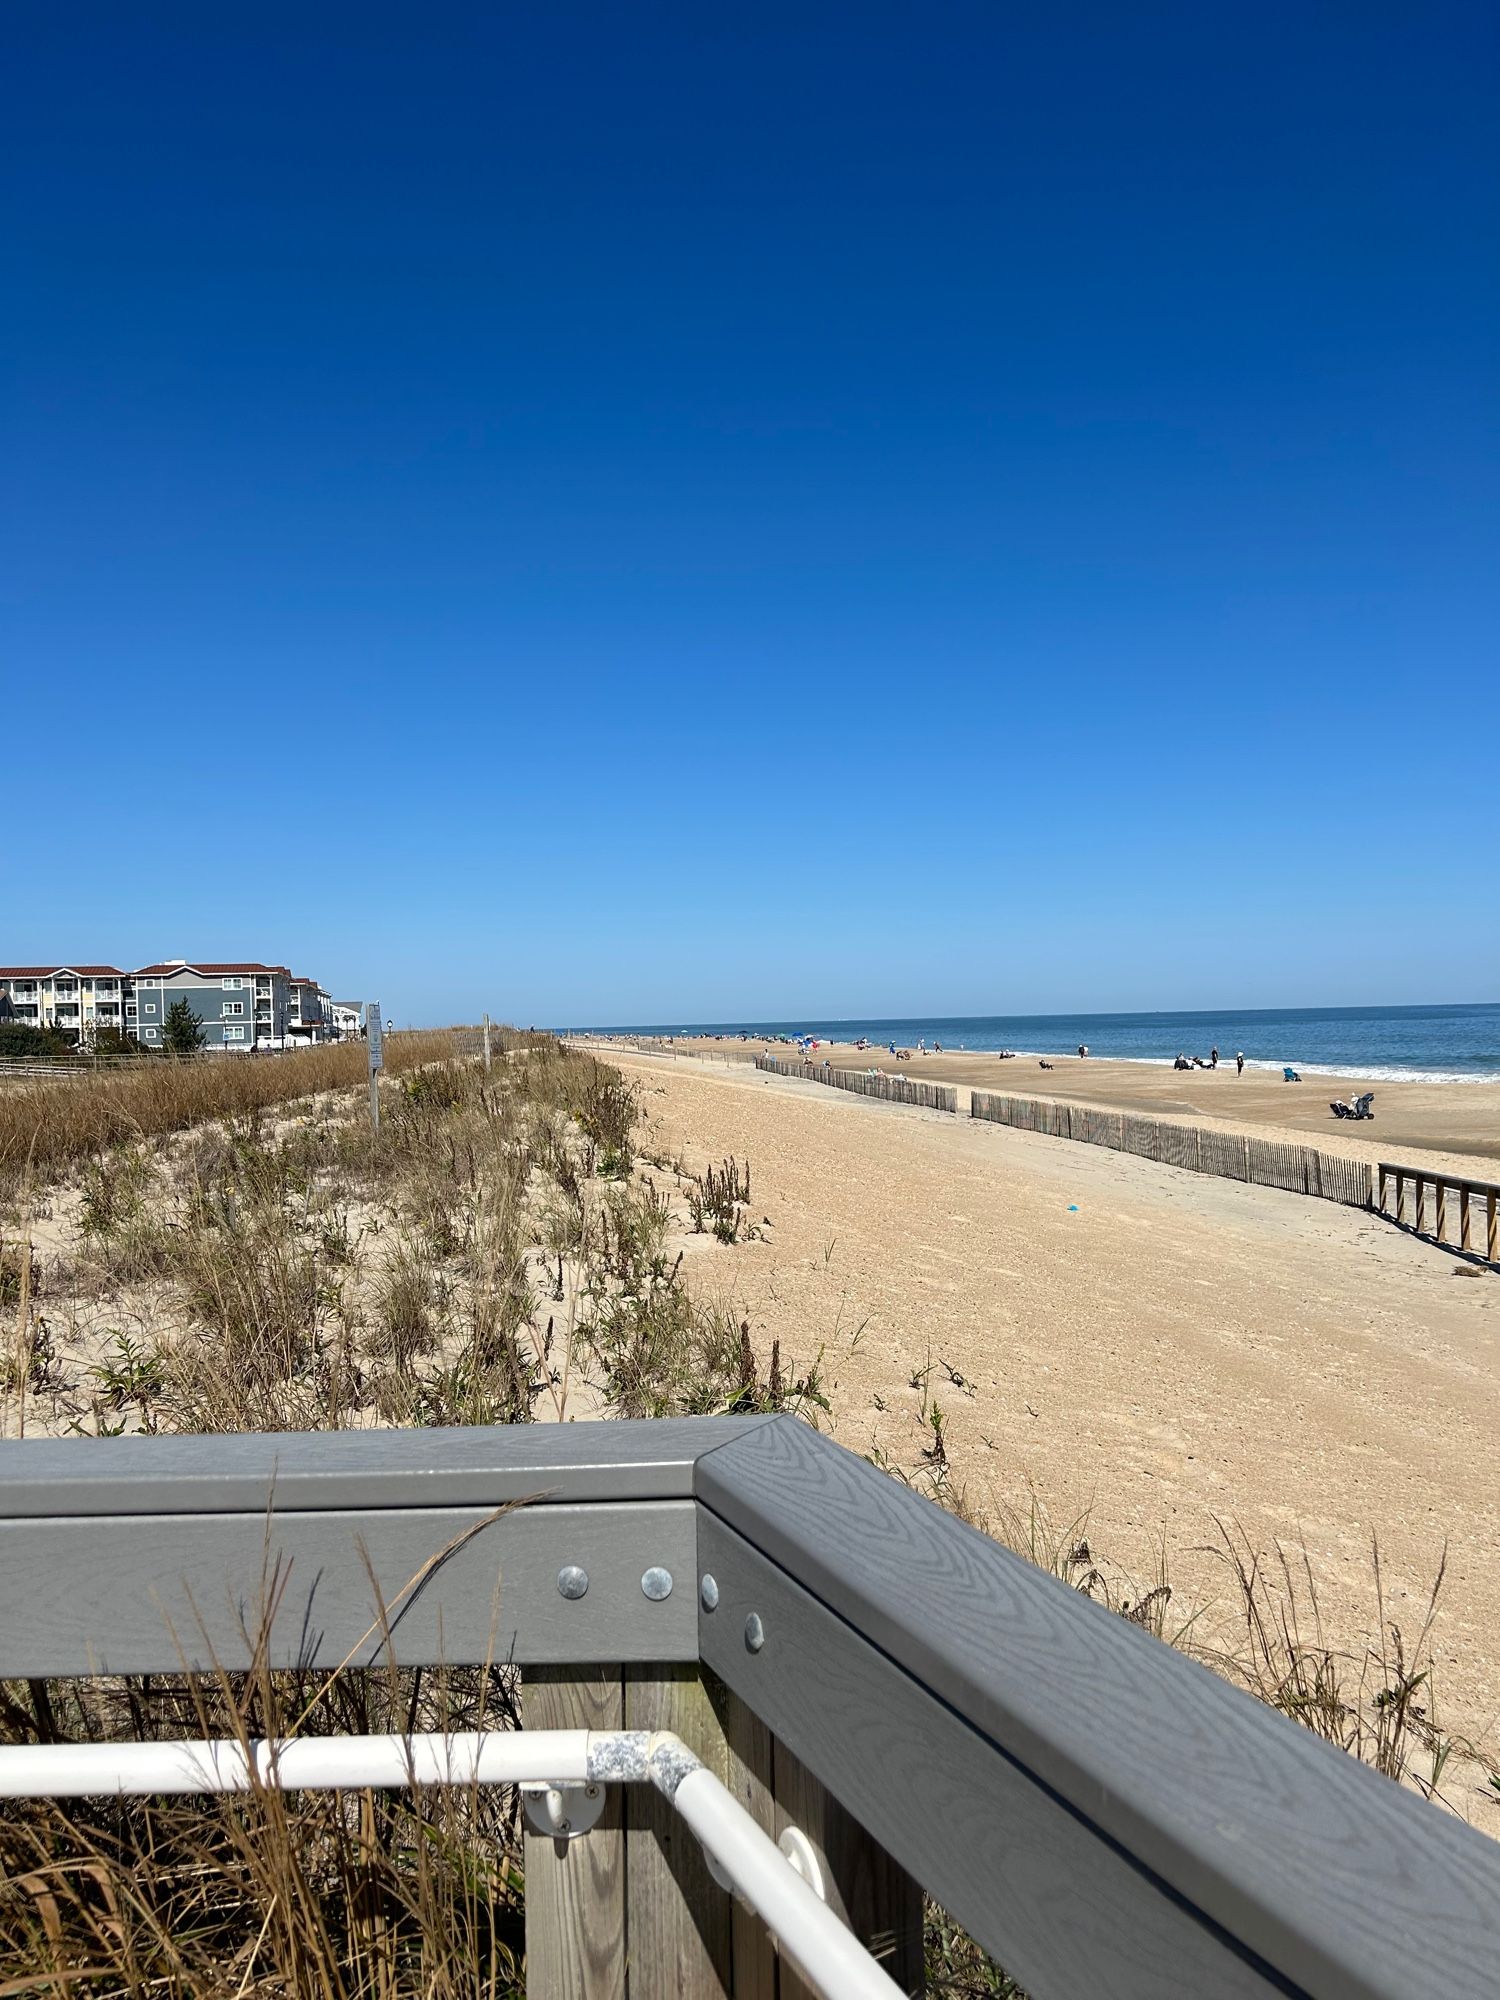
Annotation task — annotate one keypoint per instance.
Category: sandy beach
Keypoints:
(1157, 1350)
(1460, 1121)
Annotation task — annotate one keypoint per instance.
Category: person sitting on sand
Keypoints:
(1182, 1061)
(1044, 1064)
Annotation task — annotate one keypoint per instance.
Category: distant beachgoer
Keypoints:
(1239, 1062)
(937, 1048)
(1213, 1058)
(1044, 1064)
(1083, 1048)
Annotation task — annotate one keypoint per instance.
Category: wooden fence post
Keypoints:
(575, 1889)
(1464, 1238)
(1442, 1211)
(747, 1770)
(677, 1919)
(878, 1900)
(630, 1908)
(1491, 1234)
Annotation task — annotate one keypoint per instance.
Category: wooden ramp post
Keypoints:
(630, 1911)
(575, 1889)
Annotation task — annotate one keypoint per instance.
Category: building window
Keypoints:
(151, 1034)
(150, 1006)
(234, 1006)
(234, 1034)
(232, 985)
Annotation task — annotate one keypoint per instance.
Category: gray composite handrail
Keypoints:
(1104, 1815)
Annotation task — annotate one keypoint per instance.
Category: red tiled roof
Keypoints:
(196, 965)
(46, 971)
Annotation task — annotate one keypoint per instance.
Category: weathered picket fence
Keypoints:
(1201, 1148)
(890, 1089)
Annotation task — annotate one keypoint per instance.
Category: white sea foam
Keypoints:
(1373, 1072)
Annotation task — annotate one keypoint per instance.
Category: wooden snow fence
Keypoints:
(1273, 1163)
(1098, 1128)
(1222, 1153)
(1139, 1135)
(1340, 1179)
(1177, 1145)
(889, 1089)
(1202, 1149)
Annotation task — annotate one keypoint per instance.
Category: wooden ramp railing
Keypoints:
(1475, 1210)
(1106, 1817)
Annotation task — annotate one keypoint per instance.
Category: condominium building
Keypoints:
(309, 1012)
(79, 999)
(241, 1006)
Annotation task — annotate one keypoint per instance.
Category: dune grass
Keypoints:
(47, 1124)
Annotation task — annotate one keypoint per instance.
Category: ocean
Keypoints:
(1394, 1044)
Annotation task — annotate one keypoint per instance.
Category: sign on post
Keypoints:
(377, 1060)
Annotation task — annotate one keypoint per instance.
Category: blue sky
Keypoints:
(609, 514)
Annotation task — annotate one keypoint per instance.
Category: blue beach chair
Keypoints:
(1289, 1075)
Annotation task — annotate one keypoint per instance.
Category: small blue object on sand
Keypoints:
(1072, 1208)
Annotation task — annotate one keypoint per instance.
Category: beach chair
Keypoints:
(1289, 1075)
(1357, 1107)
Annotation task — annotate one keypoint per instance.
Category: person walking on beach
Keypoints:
(1213, 1058)
(1239, 1062)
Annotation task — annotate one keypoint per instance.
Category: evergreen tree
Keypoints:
(184, 1031)
(20, 1041)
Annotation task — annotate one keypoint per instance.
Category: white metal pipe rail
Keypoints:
(826, 1953)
